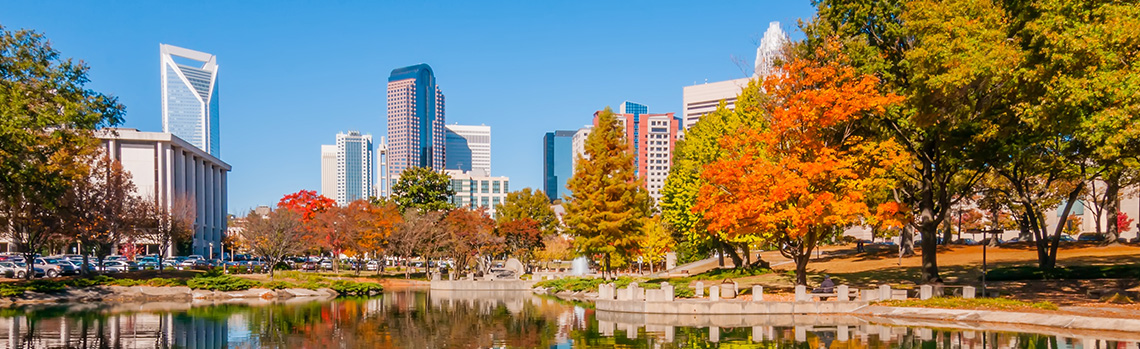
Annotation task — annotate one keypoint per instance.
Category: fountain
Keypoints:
(580, 266)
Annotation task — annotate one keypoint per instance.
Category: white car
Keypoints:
(118, 266)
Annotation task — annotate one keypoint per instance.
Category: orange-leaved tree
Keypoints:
(806, 176)
(307, 203)
(379, 222)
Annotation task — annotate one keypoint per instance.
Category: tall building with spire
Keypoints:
(701, 99)
(190, 97)
(415, 121)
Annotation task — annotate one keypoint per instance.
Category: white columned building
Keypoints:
(165, 167)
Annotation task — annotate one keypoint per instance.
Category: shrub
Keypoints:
(975, 303)
(221, 283)
(683, 291)
(349, 287)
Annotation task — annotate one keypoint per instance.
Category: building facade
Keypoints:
(578, 145)
(468, 148)
(558, 163)
(653, 137)
(190, 97)
(478, 190)
(354, 167)
(165, 167)
(328, 170)
(415, 121)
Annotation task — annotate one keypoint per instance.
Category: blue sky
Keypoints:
(294, 73)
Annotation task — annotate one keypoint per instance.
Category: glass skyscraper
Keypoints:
(415, 120)
(469, 148)
(190, 97)
(558, 163)
(354, 167)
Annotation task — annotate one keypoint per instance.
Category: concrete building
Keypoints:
(328, 170)
(468, 148)
(165, 167)
(190, 97)
(382, 187)
(653, 137)
(355, 169)
(698, 100)
(578, 146)
(557, 163)
(478, 190)
(415, 121)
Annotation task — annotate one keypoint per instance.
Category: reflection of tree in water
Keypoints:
(466, 323)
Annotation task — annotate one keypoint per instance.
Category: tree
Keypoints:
(165, 225)
(308, 205)
(471, 235)
(424, 189)
(521, 238)
(100, 208)
(656, 243)
(275, 235)
(339, 228)
(805, 177)
(528, 204)
(609, 204)
(411, 233)
(554, 247)
(381, 221)
(952, 62)
(1123, 222)
(701, 147)
(47, 121)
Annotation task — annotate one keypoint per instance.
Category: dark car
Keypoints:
(1090, 237)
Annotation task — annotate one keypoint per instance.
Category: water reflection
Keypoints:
(417, 319)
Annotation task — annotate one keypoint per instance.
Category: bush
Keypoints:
(278, 285)
(221, 283)
(580, 284)
(348, 287)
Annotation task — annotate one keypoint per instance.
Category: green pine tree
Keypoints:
(609, 205)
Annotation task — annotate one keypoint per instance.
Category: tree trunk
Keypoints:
(801, 268)
(606, 271)
(928, 227)
(737, 262)
(906, 240)
(747, 255)
(1047, 249)
(1112, 205)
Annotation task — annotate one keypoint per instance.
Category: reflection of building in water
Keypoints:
(137, 330)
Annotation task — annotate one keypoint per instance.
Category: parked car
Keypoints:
(372, 265)
(54, 268)
(309, 266)
(1090, 237)
(326, 264)
(1067, 238)
(119, 266)
(19, 270)
(116, 257)
(148, 263)
(967, 242)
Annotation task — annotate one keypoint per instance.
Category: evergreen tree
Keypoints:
(424, 189)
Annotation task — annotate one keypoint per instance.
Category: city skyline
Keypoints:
(517, 82)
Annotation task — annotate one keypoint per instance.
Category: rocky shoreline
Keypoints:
(126, 294)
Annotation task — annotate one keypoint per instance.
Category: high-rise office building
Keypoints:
(558, 163)
(578, 145)
(190, 97)
(354, 167)
(653, 137)
(698, 100)
(382, 187)
(468, 148)
(328, 170)
(415, 121)
(478, 191)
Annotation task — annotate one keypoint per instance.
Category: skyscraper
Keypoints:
(578, 145)
(653, 137)
(328, 170)
(415, 120)
(468, 148)
(354, 167)
(698, 100)
(190, 97)
(558, 163)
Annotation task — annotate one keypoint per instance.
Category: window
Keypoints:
(483, 186)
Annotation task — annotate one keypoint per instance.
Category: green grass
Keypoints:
(1081, 272)
(976, 303)
(580, 284)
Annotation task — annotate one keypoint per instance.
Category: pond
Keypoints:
(419, 319)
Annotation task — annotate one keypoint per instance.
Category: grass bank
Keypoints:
(999, 304)
(211, 280)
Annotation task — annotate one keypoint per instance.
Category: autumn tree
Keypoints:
(337, 228)
(527, 203)
(609, 204)
(165, 224)
(48, 116)
(657, 241)
(521, 238)
(804, 177)
(412, 232)
(308, 205)
(100, 208)
(471, 235)
(701, 147)
(555, 247)
(423, 189)
(275, 235)
(381, 220)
